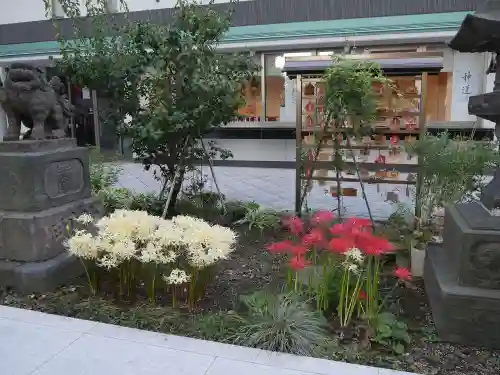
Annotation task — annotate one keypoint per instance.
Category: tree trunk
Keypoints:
(176, 190)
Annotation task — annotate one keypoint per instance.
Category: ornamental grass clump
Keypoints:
(138, 248)
(345, 260)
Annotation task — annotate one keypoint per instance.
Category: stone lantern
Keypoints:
(462, 276)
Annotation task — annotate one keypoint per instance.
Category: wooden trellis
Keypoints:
(379, 155)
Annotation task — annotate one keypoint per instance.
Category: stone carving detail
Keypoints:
(13, 184)
(27, 97)
(484, 266)
(64, 178)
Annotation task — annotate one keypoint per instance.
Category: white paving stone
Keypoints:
(96, 355)
(211, 348)
(274, 188)
(41, 319)
(392, 372)
(33, 343)
(224, 366)
(26, 346)
(314, 365)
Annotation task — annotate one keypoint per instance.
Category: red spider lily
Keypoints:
(402, 274)
(341, 245)
(314, 238)
(372, 245)
(294, 225)
(280, 247)
(350, 226)
(354, 232)
(337, 229)
(299, 251)
(354, 222)
(298, 263)
(322, 217)
(362, 295)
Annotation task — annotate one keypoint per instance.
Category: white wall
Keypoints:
(469, 78)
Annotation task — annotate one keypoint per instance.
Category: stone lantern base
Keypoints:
(43, 185)
(462, 277)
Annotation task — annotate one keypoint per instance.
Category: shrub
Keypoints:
(103, 175)
(281, 323)
(148, 202)
(391, 333)
(450, 170)
(115, 198)
(348, 252)
(257, 217)
(137, 247)
(218, 326)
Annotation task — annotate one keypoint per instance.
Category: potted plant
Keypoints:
(418, 241)
(448, 173)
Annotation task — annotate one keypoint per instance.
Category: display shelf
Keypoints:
(368, 180)
(373, 130)
(379, 150)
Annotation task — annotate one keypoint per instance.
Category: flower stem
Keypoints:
(91, 285)
(152, 296)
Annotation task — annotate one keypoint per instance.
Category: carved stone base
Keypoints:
(39, 277)
(38, 175)
(43, 185)
(39, 236)
(461, 314)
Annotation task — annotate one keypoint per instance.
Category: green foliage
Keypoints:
(349, 92)
(391, 333)
(350, 103)
(450, 170)
(237, 209)
(169, 82)
(115, 198)
(103, 175)
(218, 326)
(148, 202)
(281, 323)
(257, 217)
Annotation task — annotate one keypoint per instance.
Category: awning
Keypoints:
(407, 63)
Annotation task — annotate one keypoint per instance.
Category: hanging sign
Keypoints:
(466, 84)
(85, 93)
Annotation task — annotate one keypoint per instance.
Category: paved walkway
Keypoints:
(33, 343)
(274, 188)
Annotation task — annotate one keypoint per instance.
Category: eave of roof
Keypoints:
(421, 23)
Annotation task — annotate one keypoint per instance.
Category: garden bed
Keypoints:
(251, 268)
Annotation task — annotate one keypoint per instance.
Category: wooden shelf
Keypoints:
(385, 147)
(374, 130)
(367, 180)
(382, 113)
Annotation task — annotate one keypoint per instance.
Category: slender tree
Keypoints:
(166, 86)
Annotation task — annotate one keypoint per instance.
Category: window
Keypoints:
(252, 94)
(280, 91)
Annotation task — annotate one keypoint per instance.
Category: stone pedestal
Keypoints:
(43, 185)
(462, 277)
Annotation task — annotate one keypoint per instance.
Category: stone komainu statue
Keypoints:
(27, 97)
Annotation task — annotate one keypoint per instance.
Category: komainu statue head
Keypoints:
(28, 98)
